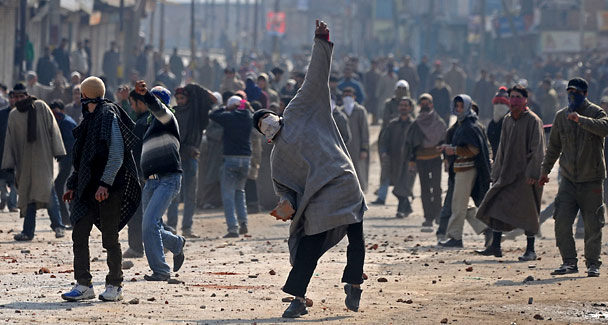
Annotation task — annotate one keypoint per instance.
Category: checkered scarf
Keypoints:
(93, 136)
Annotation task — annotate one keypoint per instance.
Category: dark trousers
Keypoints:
(136, 242)
(429, 172)
(108, 212)
(587, 197)
(65, 170)
(446, 211)
(404, 205)
(251, 192)
(310, 251)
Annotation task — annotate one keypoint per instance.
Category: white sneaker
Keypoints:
(112, 293)
(79, 292)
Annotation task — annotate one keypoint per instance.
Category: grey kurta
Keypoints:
(359, 141)
(511, 203)
(392, 143)
(342, 123)
(310, 164)
(33, 161)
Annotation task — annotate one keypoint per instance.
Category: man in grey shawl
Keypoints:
(316, 181)
(427, 132)
(514, 199)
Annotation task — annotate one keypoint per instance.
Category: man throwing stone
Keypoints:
(316, 181)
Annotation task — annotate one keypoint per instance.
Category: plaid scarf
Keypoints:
(92, 137)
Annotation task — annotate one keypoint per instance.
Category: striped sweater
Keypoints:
(160, 150)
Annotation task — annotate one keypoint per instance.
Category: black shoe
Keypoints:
(295, 309)
(566, 268)
(353, 296)
(178, 259)
(378, 202)
(243, 229)
(528, 256)
(593, 271)
(22, 237)
(451, 243)
(427, 223)
(157, 277)
(490, 251)
(231, 235)
(488, 235)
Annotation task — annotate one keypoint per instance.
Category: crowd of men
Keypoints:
(129, 155)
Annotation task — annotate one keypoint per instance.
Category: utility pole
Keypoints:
(482, 39)
(152, 14)
(247, 22)
(275, 38)
(161, 32)
(192, 42)
(213, 26)
(22, 36)
(581, 24)
(255, 24)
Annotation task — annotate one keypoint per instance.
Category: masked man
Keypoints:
(316, 181)
(577, 139)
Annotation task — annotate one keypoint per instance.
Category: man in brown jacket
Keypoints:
(577, 139)
(514, 199)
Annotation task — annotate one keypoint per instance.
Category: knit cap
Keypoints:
(501, 97)
(93, 87)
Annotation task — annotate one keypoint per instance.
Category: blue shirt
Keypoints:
(66, 125)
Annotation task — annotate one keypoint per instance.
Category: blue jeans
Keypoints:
(65, 170)
(156, 198)
(233, 177)
(188, 193)
(29, 222)
(383, 190)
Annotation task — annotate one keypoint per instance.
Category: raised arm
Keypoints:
(316, 82)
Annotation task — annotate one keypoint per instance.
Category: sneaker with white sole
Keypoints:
(112, 293)
(79, 292)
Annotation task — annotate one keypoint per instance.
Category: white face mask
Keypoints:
(270, 126)
(349, 104)
(500, 110)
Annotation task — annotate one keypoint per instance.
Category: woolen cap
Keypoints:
(93, 87)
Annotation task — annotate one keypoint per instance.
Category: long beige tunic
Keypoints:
(511, 203)
(359, 141)
(33, 162)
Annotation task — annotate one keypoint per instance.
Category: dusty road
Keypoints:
(230, 281)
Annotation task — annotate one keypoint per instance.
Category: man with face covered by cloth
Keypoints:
(577, 139)
(514, 199)
(316, 181)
